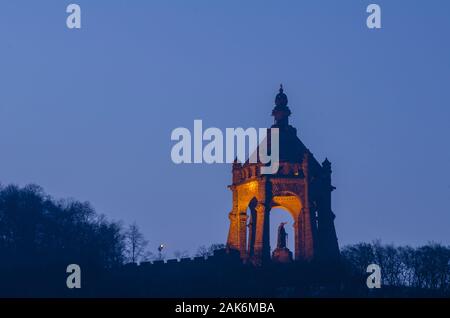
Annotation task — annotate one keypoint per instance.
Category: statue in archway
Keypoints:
(282, 254)
(282, 236)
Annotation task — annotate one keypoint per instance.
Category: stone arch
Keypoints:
(288, 201)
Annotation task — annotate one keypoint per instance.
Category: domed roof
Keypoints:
(291, 148)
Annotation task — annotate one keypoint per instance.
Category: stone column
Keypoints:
(232, 241)
(251, 232)
(262, 237)
(304, 248)
(298, 239)
(242, 233)
(307, 236)
(328, 248)
(307, 244)
(233, 232)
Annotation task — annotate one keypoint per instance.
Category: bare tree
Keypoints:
(358, 256)
(433, 266)
(136, 244)
(215, 247)
(388, 257)
(181, 254)
(204, 251)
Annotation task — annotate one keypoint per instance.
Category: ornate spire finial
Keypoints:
(281, 111)
(281, 98)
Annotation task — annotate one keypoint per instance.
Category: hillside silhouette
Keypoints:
(40, 236)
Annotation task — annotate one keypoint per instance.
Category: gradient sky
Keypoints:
(88, 113)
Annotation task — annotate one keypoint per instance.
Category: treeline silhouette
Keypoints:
(37, 231)
(424, 267)
(40, 236)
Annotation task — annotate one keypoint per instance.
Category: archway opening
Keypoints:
(278, 216)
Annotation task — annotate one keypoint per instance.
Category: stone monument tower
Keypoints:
(302, 186)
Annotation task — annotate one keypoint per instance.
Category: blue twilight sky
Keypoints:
(88, 113)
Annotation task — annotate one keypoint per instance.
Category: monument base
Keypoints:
(282, 255)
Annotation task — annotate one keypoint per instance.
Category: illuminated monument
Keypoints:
(302, 186)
